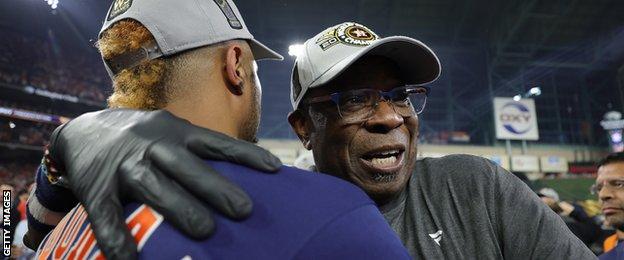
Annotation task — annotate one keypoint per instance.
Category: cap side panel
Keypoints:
(208, 22)
(157, 34)
(310, 64)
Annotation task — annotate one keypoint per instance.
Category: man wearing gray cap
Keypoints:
(195, 60)
(356, 99)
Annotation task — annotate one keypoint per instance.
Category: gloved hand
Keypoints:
(151, 157)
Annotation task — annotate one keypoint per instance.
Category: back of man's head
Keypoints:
(153, 84)
(192, 58)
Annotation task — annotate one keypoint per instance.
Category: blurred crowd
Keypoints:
(18, 175)
(30, 106)
(29, 61)
(583, 218)
(24, 132)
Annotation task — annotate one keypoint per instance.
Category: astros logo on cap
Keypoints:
(347, 33)
(355, 34)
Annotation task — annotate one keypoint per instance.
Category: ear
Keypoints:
(299, 124)
(234, 70)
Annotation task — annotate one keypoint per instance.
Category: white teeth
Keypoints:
(389, 152)
(384, 162)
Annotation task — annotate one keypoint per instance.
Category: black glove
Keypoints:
(150, 157)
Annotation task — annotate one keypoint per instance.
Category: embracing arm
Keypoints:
(152, 157)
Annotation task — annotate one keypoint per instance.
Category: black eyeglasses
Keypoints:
(359, 104)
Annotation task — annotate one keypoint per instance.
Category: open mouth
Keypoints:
(383, 164)
(383, 159)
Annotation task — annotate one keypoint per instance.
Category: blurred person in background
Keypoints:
(573, 215)
(609, 187)
(23, 199)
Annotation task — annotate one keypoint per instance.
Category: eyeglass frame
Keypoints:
(596, 188)
(383, 95)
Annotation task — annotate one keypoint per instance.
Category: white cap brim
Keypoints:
(262, 52)
(418, 63)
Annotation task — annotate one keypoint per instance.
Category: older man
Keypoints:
(356, 99)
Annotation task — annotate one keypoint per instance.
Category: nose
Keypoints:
(384, 119)
(605, 194)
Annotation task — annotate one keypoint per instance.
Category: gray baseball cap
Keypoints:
(180, 25)
(332, 51)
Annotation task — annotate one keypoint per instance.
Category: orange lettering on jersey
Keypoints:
(142, 222)
(53, 238)
(70, 234)
(67, 241)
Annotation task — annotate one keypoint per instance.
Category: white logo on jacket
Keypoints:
(437, 236)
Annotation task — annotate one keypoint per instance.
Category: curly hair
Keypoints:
(140, 87)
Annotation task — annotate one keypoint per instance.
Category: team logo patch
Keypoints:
(229, 14)
(119, 7)
(347, 33)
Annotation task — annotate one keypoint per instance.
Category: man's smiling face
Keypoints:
(377, 154)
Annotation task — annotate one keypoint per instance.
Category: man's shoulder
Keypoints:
(294, 186)
(456, 166)
(456, 159)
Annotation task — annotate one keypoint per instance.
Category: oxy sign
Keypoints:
(515, 120)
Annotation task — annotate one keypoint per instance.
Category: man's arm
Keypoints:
(151, 157)
(528, 228)
(362, 233)
(46, 206)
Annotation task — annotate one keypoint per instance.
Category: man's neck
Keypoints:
(213, 117)
(393, 202)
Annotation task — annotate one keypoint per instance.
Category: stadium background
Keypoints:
(572, 50)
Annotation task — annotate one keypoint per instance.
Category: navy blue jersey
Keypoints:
(614, 254)
(297, 215)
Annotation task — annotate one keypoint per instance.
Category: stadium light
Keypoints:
(295, 50)
(11, 125)
(52, 3)
(534, 91)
